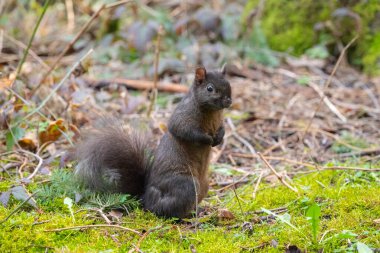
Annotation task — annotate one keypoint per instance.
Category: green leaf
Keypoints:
(69, 203)
(285, 218)
(363, 248)
(313, 214)
(13, 136)
(318, 52)
(303, 80)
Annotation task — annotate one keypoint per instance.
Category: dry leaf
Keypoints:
(225, 214)
(28, 144)
(163, 127)
(5, 83)
(377, 221)
(115, 214)
(52, 132)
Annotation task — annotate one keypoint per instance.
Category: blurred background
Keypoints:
(293, 93)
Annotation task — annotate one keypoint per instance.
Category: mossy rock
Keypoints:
(296, 26)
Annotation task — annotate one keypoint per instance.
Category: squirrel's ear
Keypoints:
(223, 70)
(200, 74)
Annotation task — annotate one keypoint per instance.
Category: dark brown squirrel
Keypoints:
(172, 179)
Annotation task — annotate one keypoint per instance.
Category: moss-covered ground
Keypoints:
(349, 202)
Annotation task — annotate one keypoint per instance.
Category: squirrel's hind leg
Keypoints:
(173, 197)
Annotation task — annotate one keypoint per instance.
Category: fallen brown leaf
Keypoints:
(52, 132)
(225, 214)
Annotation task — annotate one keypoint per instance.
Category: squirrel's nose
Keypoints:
(227, 102)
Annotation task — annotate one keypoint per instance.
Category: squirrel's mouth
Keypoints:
(226, 102)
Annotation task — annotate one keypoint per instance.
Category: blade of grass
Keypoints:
(46, 5)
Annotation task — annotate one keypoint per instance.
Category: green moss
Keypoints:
(290, 26)
(349, 201)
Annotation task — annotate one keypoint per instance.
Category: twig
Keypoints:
(141, 85)
(46, 5)
(70, 15)
(137, 246)
(22, 167)
(156, 62)
(257, 185)
(17, 208)
(315, 87)
(340, 168)
(40, 161)
(94, 226)
(237, 198)
(239, 138)
(276, 159)
(116, 4)
(101, 213)
(327, 84)
(276, 173)
(241, 180)
(328, 103)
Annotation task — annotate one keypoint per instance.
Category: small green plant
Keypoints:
(313, 214)
(69, 203)
(363, 248)
(348, 143)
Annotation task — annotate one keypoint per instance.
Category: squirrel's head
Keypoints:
(211, 89)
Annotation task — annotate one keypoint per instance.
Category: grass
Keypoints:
(349, 202)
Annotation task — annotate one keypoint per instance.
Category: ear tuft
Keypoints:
(200, 74)
(224, 69)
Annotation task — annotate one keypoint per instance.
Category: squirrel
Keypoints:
(171, 180)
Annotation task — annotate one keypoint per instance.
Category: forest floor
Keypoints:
(299, 169)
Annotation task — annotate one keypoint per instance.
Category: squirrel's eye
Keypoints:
(210, 88)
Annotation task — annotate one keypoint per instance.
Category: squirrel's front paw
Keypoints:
(218, 138)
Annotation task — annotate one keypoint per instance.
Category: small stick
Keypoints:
(276, 173)
(116, 4)
(94, 226)
(137, 246)
(101, 213)
(22, 167)
(328, 103)
(239, 138)
(257, 185)
(40, 161)
(156, 62)
(141, 85)
(70, 15)
(340, 168)
(237, 198)
(327, 84)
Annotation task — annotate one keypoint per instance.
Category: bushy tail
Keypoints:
(112, 160)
